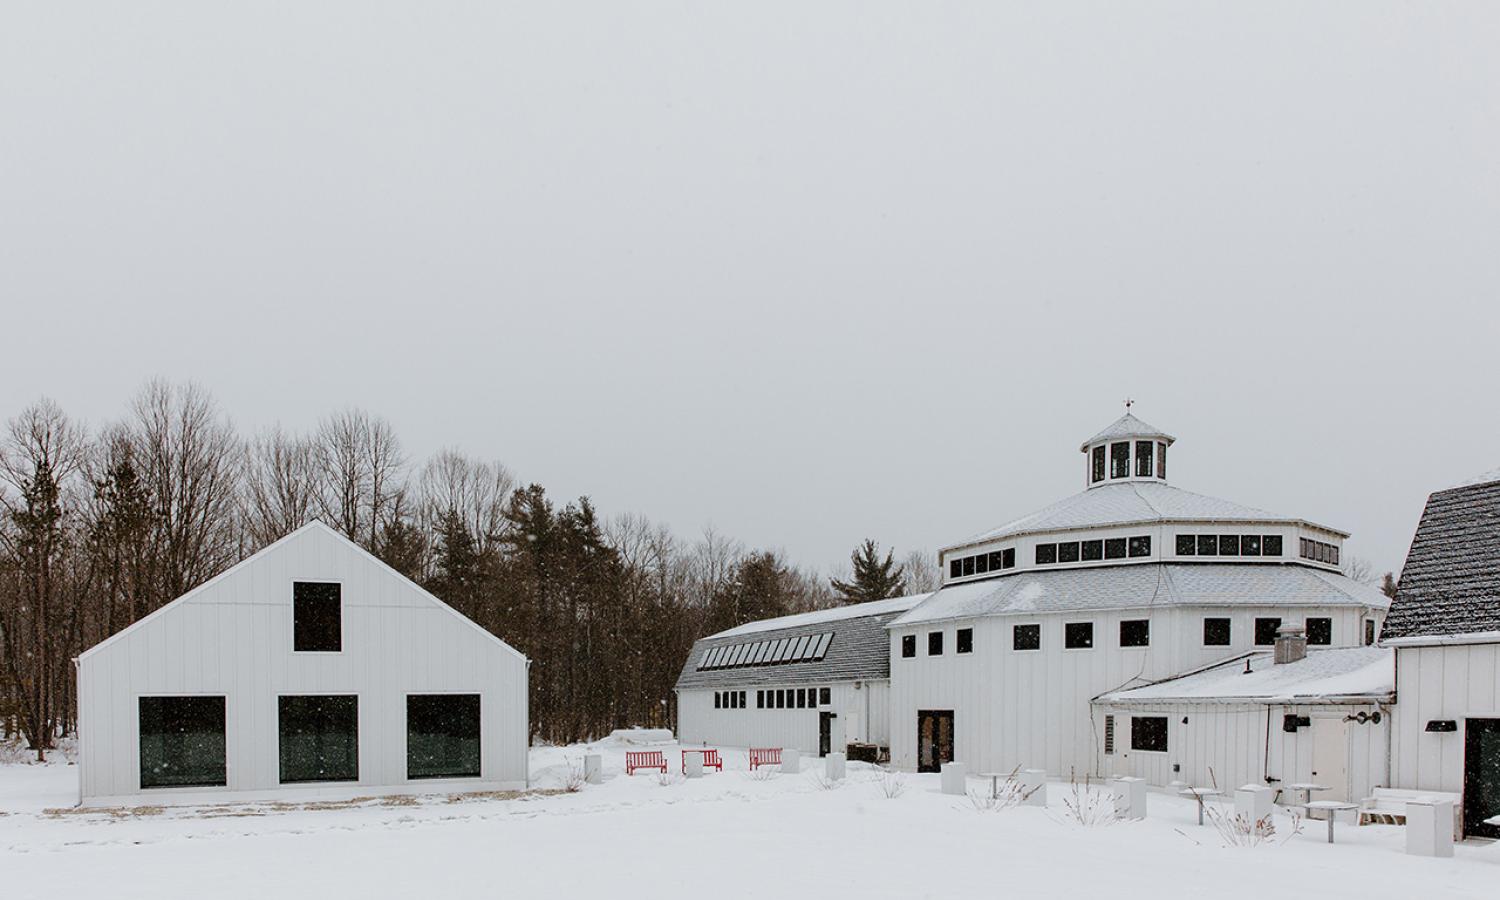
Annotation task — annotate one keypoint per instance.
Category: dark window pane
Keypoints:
(1369, 632)
(1265, 631)
(1009, 557)
(1216, 632)
(1320, 632)
(1135, 633)
(1114, 548)
(935, 643)
(1270, 545)
(1067, 552)
(1334, 553)
(965, 640)
(955, 568)
(1161, 460)
(1148, 733)
(1141, 545)
(825, 697)
(780, 698)
(801, 699)
(718, 699)
(968, 565)
(997, 560)
(1303, 548)
(1187, 545)
(1078, 635)
(1143, 458)
(1098, 455)
(1046, 554)
(319, 738)
(760, 699)
(908, 645)
(182, 741)
(1093, 550)
(315, 616)
(1208, 545)
(981, 563)
(442, 736)
(1249, 545)
(1026, 637)
(1229, 545)
(1119, 460)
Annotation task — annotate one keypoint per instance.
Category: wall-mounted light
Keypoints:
(1363, 717)
(1442, 725)
(1291, 722)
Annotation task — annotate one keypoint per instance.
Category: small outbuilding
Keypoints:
(310, 668)
(1291, 716)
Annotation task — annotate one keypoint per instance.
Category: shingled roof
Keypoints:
(1450, 585)
(859, 651)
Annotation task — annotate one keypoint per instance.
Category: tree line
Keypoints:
(98, 528)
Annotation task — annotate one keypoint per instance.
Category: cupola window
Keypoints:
(1119, 460)
(1099, 463)
(1143, 458)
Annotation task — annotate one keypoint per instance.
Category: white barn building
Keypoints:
(816, 682)
(1445, 629)
(1130, 581)
(309, 668)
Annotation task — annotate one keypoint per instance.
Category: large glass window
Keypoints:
(1265, 631)
(319, 738)
(316, 617)
(1026, 637)
(1216, 632)
(1119, 460)
(1143, 458)
(1099, 463)
(1078, 635)
(182, 741)
(1148, 733)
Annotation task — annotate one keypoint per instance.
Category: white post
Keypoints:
(692, 765)
(1253, 801)
(1130, 797)
(954, 778)
(1429, 827)
(833, 766)
(1034, 785)
(791, 762)
(593, 768)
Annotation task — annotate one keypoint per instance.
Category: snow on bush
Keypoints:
(1238, 830)
(575, 778)
(1088, 804)
(1008, 793)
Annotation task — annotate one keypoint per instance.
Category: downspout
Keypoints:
(78, 738)
(527, 748)
(1265, 762)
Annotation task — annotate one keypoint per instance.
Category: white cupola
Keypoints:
(1128, 450)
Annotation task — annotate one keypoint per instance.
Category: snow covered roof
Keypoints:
(1129, 503)
(1324, 675)
(1144, 585)
(823, 616)
(1127, 426)
(858, 648)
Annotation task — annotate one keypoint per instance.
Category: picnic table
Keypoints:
(1306, 790)
(1201, 794)
(994, 778)
(1334, 807)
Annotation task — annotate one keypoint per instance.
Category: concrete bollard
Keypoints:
(1130, 797)
(1254, 802)
(833, 766)
(955, 778)
(593, 768)
(791, 762)
(692, 765)
(1034, 784)
(1429, 827)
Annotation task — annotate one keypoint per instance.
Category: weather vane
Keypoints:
(1128, 403)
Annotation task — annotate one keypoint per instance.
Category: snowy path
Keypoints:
(723, 836)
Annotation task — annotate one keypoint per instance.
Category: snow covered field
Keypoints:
(726, 835)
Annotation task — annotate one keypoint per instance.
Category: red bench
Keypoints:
(645, 759)
(764, 756)
(710, 759)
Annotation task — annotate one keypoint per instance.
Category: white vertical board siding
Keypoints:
(1227, 746)
(233, 637)
(700, 724)
(1448, 682)
(1032, 708)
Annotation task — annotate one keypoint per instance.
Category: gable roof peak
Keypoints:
(1127, 426)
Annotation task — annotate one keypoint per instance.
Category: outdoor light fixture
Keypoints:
(1442, 725)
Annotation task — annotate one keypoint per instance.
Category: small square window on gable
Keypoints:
(317, 620)
(1078, 635)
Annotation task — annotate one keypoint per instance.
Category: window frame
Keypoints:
(1146, 623)
(478, 699)
(963, 641)
(1032, 628)
(1166, 737)
(1187, 540)
(1145, 464)
(1119, 464)
(293, 617)
(934, 639)
(1228, 631)
(140, 737)
(1255, 630)
(1100, 470)
(908, 643)
(1068, 629)
(1325, 622)
(280, 755)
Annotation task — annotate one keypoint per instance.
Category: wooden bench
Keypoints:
(764, 756)
(645, 759)
(1387, 806)
(710, 759)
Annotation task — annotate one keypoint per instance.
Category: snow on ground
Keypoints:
(725, 835)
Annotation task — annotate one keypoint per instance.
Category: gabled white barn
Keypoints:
(310, 667)
(1130, 581)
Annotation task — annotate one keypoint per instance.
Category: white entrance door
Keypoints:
(1330, 758)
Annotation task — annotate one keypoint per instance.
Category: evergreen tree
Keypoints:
(1388, 585)
(874, 578)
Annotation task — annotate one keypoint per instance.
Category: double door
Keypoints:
(934, 739)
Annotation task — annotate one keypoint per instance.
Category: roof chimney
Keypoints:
(1291, 643)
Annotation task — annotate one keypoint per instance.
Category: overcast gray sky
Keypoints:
(808, 271)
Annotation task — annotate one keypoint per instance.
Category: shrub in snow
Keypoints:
(823, 782)
(575, 778)
(1088, 804)
(1237, 830)
(763, 773)
(892, 784)
(1004, 795)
